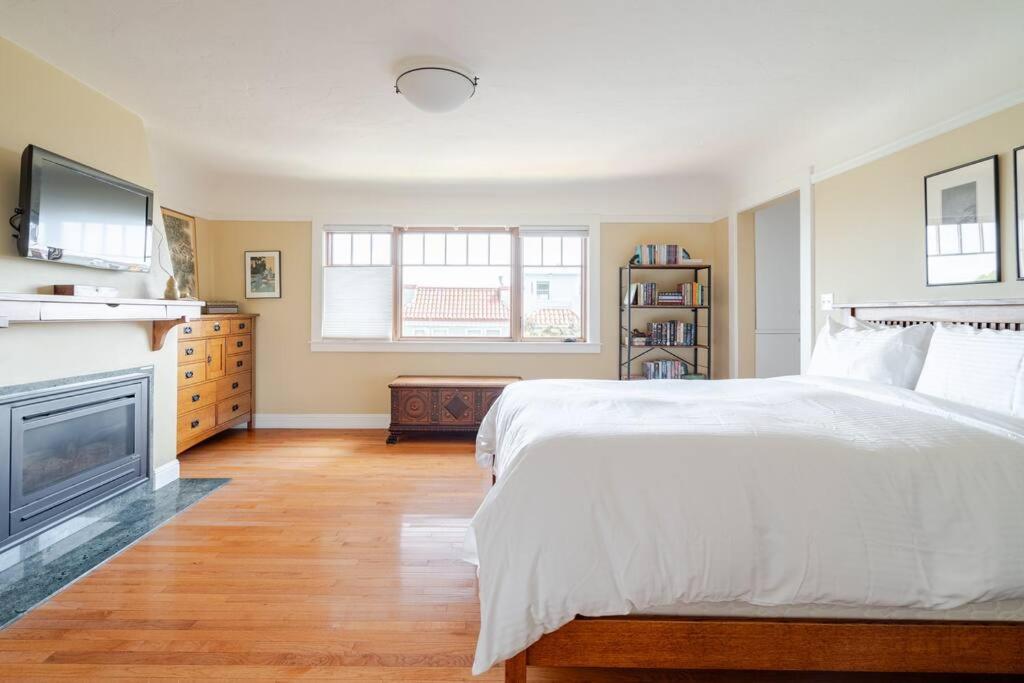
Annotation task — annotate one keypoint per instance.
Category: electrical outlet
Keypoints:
(826, 301)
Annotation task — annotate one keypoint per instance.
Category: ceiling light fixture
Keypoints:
(435, 88)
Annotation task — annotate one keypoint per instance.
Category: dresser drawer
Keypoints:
(197, 422)
(239, 343)
(192, 351)
(234, 385)
(198, 396)
(215, 328)
(239, 326)
(189, 330)
(232, 408)
(191, 373)
(239, 363)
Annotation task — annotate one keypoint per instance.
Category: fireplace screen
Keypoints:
(58, 451)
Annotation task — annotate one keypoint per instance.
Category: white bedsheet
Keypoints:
(618, 497)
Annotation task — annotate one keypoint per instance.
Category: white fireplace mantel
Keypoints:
(165, 314)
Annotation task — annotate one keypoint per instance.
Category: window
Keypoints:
(483, 285)
(553, 284)
(357, 282)
(456, 282)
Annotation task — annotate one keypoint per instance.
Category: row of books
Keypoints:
(669, 369)
(671, 333)
(691, 294)
(641, 294)
(663, 255)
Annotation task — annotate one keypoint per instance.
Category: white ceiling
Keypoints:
(569, 89)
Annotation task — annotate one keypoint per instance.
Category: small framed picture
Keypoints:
(262, 275)
(180, 232)
(962, 224)
(1018, 206)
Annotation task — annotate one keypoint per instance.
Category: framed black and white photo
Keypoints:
(262, 275)
(1018, 207)
(962, 224)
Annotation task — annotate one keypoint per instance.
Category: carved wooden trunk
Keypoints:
(442, 404)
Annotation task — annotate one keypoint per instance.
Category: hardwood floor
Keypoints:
(329, 555)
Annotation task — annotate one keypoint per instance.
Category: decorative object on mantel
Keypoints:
(180, 231)
(263, 275)
(962, 224)
(220, 307)
(1018, 204)
(85, 290)
(50, 308)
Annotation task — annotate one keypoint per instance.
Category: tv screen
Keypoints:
(72, 213)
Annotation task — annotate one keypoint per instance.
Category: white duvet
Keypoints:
(615, 497)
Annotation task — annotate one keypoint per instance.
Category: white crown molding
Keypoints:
(970, 116)
(166, 473)
(322, 420)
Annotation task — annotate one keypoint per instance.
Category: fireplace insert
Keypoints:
(67, 446)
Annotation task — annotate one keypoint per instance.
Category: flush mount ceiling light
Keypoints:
(435, 88)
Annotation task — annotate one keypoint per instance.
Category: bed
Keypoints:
(794, 524)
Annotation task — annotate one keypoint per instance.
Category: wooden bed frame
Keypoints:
(819, 645)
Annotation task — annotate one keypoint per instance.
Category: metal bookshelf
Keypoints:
(696, 353)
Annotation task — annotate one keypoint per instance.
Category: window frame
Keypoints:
(514, 277)
(590, 343)
(586, 284)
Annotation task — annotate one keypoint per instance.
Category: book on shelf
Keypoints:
(663, 255)
(665, 369)
(693, 294)
(642, 294)
(671, 333)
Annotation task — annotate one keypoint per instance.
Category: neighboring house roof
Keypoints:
(553, 317)
(456, 303)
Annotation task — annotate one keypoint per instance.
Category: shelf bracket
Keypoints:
(162, 327)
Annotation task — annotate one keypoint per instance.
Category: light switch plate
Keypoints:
(826, 301)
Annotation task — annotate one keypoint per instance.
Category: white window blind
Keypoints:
(357, 292)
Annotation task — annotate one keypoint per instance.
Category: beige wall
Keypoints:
(869, 222)
(292, 379)
(49, 108)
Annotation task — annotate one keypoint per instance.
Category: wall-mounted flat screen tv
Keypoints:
(72, 213)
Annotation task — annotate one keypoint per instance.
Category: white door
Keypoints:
(777, 289)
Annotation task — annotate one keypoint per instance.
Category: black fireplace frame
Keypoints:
(39, 513)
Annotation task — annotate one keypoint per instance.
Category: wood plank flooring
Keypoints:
(328, 556)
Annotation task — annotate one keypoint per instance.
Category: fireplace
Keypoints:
(66, 446)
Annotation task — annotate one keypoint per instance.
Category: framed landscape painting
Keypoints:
(263, 275)
(962, 224)
(180, 232)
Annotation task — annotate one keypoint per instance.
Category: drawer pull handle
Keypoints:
(188, 329)
(238, 363)
(195, 397)
(239, 343)
(216, 327)
(209, 359)
(234, 385)
(195, 423)
(234, 407)
(241, 326)
(189, 351)
(188, 374)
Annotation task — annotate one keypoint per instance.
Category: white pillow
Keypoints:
(981, 368)
(875, 353)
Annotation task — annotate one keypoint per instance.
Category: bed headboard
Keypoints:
(997, 314)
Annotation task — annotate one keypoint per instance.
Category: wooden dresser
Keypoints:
(442, 404)
(215, 386)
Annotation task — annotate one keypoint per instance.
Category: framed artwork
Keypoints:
(962, 224)
(263, 275)
(180, 232)
(1018, 207)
